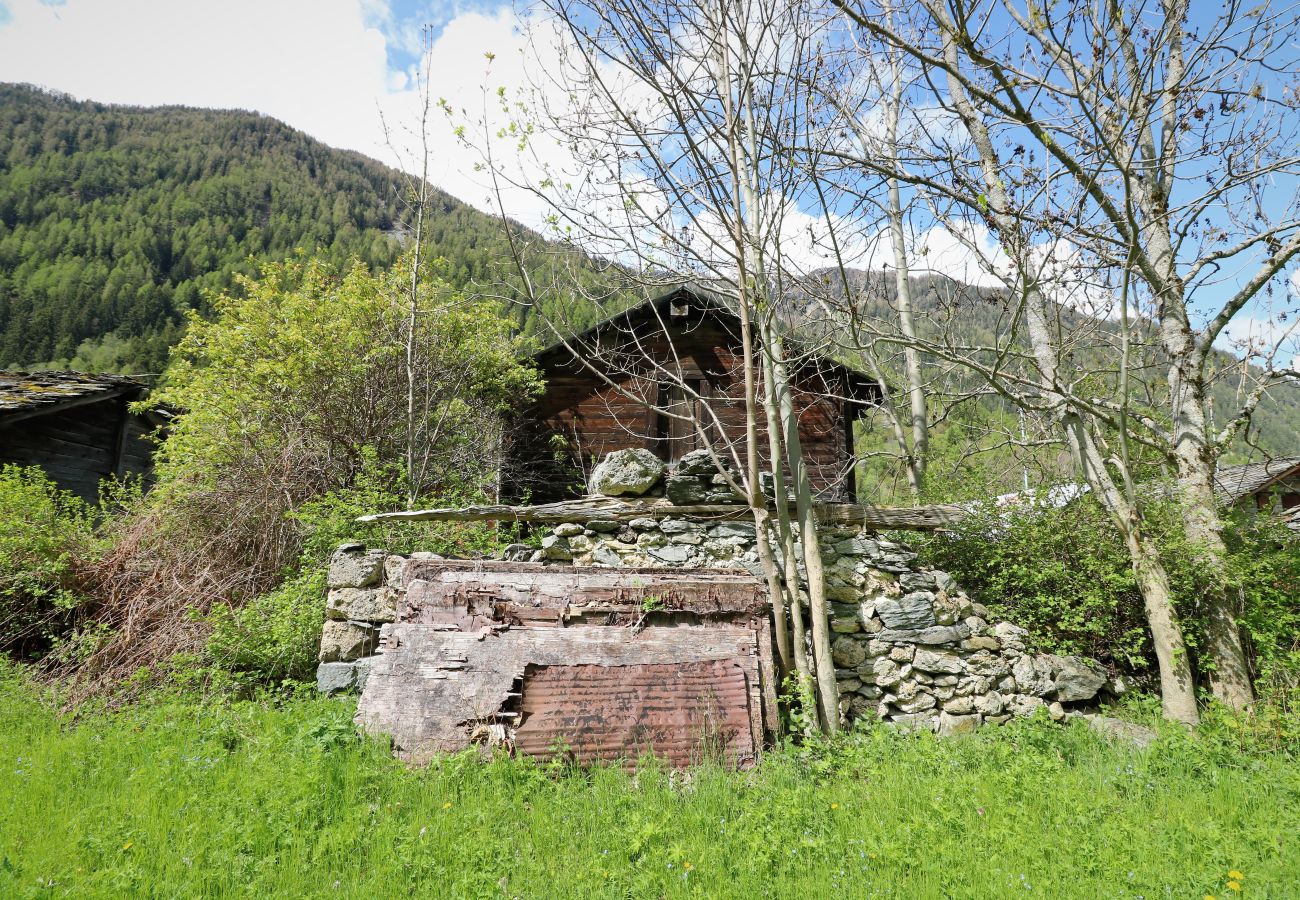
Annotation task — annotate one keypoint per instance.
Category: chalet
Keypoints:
(77, 427)
(1268, 487)
(609, 388)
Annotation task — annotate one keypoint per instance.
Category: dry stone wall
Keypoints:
(910, 647)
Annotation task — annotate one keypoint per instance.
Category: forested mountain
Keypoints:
(114, 220)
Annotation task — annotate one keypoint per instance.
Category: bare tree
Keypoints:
(1159, 154)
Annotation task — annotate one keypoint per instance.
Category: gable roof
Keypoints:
(704, 298)
(1232, 483)
(24, 395)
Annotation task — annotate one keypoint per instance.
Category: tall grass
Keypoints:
(182, 797)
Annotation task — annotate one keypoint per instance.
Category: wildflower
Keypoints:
(128, 845)
(835, 806)
(1236, 876)
(1233, 885)
(1211, 897)
(447, 805)
(687, 866)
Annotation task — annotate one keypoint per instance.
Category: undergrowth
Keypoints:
(182, 795)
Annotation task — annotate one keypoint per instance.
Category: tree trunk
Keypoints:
(1177, 692)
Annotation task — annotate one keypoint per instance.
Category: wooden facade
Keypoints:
(77, 427)
(609, 389)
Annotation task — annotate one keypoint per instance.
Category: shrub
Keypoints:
(42, 529)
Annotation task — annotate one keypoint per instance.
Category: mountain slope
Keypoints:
(114, 220)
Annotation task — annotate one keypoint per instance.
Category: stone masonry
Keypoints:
(909, 647)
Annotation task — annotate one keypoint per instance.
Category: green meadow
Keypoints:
(182, 796)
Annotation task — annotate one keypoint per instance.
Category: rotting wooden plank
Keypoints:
(432, 690)
(913, 518)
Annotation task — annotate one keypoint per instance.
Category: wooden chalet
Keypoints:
(77, 427)
(607, 387)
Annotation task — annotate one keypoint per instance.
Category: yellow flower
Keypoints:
(1234, 885)
(1236, 876)
(447, 805)
(687, 866)
(835, 806)
(128, 845)
(1210, 897)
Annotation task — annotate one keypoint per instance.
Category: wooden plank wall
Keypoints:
(80, 446)
(596, 418)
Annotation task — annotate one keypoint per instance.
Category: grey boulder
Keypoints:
(626, 473)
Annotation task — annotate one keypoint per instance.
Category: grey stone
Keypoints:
(938, 661)
(556, 548)
(847, 685)
(1010, 635)
(951, 725)
(981, 643)
(626, 536)
(919, 703)
(939, 634)
(1033, 676)
(910, 612)
(352, 566)
(1056, 711)
(363, 667)
(643, 524)
(345, 641)
(945, 582)
(516, 552)
(847, 653)
(677, 526)
(603, 526)
(698, 462)
(1024, 705)
(362, 604)
(946, 680)
(885, 672)
(917, 581)
(335, 677)
(627, 473)
(903, 653)
(845, 625)
(990, 704)
(672, 554)
(686, 491)
(603, 556)
(1117, 729)
(1074, 680)
(568, 529)
(733, 530)
(857, 547)
(926, 721)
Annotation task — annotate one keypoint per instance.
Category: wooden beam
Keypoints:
(912, 518)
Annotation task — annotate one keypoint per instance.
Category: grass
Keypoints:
(184, 797)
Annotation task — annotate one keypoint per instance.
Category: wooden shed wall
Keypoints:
(596, 418)
(79, 447)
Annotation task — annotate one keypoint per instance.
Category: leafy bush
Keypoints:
(42, 529)
(1065, 575)
(275, 635)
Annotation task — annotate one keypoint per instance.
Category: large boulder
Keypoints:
(1074, 679)
(626, 473)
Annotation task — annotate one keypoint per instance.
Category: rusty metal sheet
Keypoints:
(684, 713)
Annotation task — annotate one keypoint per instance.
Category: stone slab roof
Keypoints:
(25, 394)
(1235, 482)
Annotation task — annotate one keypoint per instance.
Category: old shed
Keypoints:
(75, 426)
(608, 389)
(594, 664)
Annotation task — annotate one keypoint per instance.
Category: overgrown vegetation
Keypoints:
(181, 796)
(43, 532)
(300, 402)
(1063, 573)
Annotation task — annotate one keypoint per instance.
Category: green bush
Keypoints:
(1065, 575)
(273, 636)
(42, 529)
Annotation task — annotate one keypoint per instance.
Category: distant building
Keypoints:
(77, 427)
(1268, 487)
(638, 362)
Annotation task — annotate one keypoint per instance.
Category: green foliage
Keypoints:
(42, 530)
(1065, 574)
(184, 797)
(275, 635)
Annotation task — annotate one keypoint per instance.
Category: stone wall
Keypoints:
(909, 646)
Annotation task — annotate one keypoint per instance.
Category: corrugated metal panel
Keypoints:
(683, 713)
